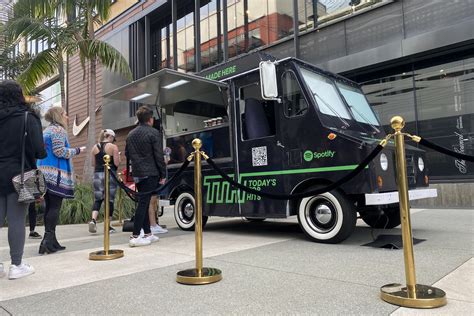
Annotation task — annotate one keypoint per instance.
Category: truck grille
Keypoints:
(411, 169)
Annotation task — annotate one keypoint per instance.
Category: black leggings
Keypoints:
(51, 213)
(32, 216)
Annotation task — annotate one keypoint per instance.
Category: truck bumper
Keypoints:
(392, 197)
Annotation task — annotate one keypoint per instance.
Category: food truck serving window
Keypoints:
(189, 119)
(325, 94)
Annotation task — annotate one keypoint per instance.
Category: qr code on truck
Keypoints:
(259, 156)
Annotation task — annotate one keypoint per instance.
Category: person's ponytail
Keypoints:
(102, 135)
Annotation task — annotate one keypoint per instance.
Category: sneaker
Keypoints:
(34, 235)
(111, 230)
(138, 241)
(92, 227)
(20, 271)
(152, 238)
(2, 271)
(158, 229)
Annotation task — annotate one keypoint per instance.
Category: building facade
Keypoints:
(413, 58)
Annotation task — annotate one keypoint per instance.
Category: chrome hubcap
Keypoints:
(323, 214)
(189, 210)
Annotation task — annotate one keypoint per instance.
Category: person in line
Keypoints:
(12, 116)
(32, 216)
(105, 146)
(154, 201)
(144, 148)
(58, 173)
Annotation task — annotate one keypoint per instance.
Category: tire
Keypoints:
(388, 220)
(327, 218)
(184, 212)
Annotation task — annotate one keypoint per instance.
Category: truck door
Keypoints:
(297, 127)
(259, 157)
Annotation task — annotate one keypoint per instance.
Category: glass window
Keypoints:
(326, 95)
(257, 116)
(358, 104)
(445, 102)
(294, 103)
(393, 95)
(50, 97)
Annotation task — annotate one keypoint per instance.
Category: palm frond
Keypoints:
(28, 27)
(107, 55)
(36, 8)
(43, 65)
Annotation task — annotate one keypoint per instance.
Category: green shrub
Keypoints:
(79, 209)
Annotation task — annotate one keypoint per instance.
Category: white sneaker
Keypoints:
(158, 229)
(2, 271)
(139, 241)
(152, 238)
(20, 271)
(92, 227)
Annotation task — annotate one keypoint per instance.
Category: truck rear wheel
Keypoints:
(327, 218)
(388, 220)
(184, 209)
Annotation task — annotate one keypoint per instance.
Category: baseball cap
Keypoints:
(109, 132)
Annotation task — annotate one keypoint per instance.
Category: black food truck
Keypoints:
(282, 127)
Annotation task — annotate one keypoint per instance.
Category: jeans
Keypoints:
(141, 214)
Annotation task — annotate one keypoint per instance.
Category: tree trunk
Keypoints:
(91, 139)
(62, 83)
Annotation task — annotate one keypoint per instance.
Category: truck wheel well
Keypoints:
(178, 190)
(305, 186)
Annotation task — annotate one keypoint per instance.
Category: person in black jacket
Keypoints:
(144, 148)
(12, 111)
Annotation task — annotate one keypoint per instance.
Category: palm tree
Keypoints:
(92, 13)
(37, 19)
(51, 60)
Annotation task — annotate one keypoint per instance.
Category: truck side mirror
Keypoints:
(268, 80)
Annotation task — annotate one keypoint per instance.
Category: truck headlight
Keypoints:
(384, 162)
(421, 164)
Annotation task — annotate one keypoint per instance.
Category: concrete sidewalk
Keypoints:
(268, 268)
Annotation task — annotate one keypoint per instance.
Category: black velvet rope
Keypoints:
(155, 191)
(330, 187)
(445, 151)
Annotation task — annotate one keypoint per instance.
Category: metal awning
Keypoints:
(168, 86)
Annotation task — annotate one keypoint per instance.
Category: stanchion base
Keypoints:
(190, 276)
(426, 296)
(101, 255)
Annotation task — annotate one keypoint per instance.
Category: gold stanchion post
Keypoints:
(106, 254)
(119, 203)
(199, 275)
(412, 295)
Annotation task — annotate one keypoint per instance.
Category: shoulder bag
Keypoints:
(29, 185)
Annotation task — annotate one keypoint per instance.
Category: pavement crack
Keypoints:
(6, 311)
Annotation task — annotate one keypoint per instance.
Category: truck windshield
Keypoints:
(326, 95)
(358, 104)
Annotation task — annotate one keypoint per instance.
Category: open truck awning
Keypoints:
(168, 86)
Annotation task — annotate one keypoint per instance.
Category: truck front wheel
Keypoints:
(327, 218)
(184, 209)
